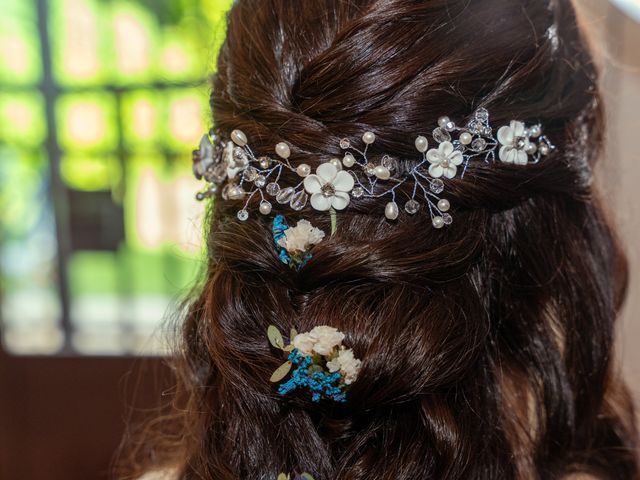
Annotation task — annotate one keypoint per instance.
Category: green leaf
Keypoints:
(293, 334)
(282, 476)
(281, 372)
(307, 476)
(275, 337)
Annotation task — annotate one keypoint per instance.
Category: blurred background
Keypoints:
(101, 102)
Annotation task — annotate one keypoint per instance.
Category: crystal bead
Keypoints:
(273, 188)
(357, 192)
(479, 144)
(242, 215)
(482, 115)
(412, 207)
(450, 126)
(250, 174)
(260, 181)
(299, 200)
(200, 196)
(345, 143)
(441, 135)
(284, 195)
(448, 219)
(370, 169)
(475, 127)
(436, 186)
(388, 162)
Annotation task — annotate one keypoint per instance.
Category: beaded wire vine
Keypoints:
(232, 168)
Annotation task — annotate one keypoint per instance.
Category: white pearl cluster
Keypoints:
(229, 167)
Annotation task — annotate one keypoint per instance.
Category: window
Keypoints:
(101, 102)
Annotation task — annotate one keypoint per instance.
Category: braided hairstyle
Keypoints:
(487, 345)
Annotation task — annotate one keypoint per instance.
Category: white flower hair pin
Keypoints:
(317, 361)
(294, 243)
(230, 166)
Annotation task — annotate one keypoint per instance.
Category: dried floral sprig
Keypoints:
(322, 364)
(302, 476)
(294, 243)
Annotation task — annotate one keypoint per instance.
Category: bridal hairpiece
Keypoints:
(317, 361)
(231, 167)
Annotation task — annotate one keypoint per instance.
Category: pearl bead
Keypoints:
(349, 160)
(544, 149)
(283, 150)
(442, 122)
(336, 163)
(303, 170)
(535, 131)
(382, 173)
(531, 148)
(265, 208)
(438, 222)
(369, 138)
(236, 193)
(444, 205)
(239, 138)
(391, 211)
(422, 144)
(466, 138)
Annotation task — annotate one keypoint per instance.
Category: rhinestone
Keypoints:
(482, 115)
(242, 215)
(412, 207)
(273, 188)
(328, 190)
(284, 195)
(260, 181)
(265, 162)
(357, 192)
(448, 219)
(250, 174)
(345, 143)
(299, 200)
(479, 144)
(436, 186)
(440, 135)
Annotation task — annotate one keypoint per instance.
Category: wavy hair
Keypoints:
(487, 346)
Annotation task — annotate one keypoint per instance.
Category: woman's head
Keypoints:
(486, 345)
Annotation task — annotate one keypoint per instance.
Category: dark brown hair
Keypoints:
(487, 345)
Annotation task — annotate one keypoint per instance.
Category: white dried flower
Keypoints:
(326, 339)
(515, 141)
(347, 364)
(304, 342)
(301, 237)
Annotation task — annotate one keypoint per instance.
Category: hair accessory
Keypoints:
(294, 243)
(302, 476)
(232, 167)
(322, 364)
